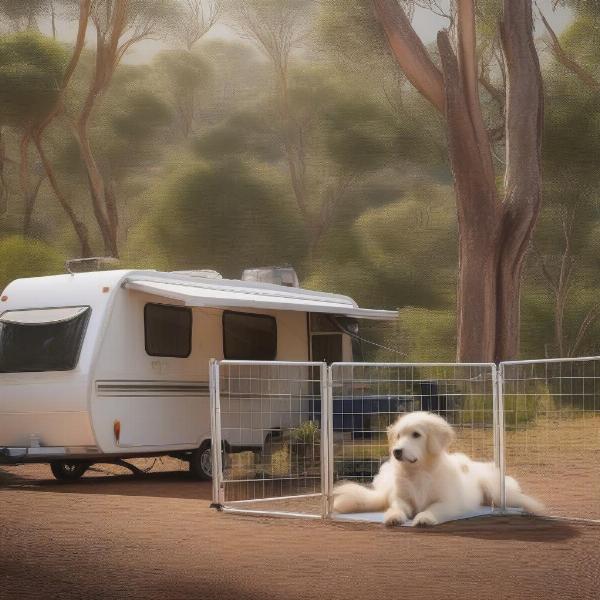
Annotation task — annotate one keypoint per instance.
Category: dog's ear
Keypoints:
(439, 434)
(391, 431)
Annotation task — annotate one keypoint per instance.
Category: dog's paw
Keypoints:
(394, 517)
(424, 519)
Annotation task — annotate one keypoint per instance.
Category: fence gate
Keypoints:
(268, 420)
(552, 432)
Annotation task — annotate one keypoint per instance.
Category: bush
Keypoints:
(25, 257)
(223, 216)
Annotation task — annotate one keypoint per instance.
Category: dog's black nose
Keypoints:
(398, 453)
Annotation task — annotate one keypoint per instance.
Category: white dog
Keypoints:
(423, 481)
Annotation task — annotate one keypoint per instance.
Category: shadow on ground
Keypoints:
(516, 528)
(492, 528)
(178, 484)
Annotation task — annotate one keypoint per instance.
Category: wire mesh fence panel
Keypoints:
(268, 421)
(368, 397)
(552, 432)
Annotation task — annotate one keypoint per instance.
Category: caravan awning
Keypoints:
(234, 294)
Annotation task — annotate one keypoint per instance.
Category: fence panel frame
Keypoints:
(497, 408)
(218, 487)
(502, 366)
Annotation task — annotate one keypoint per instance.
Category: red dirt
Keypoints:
(116, 536)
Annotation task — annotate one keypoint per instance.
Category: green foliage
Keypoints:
(519, 409)
(425, 334)
(248, 133)
(226, 216)
(183, 70)
(31, 68)
(143, 113)
(26, 257)
(348, 29)
(582, 37)
(307, 432)
(377, 265)
(572, 131)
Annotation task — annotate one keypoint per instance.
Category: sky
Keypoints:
(425, 23)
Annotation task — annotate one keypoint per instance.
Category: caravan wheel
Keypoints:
(68, 471)
(201, 462)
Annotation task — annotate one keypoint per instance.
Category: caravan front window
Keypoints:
(47, 339)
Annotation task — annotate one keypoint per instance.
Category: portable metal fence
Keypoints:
(267, 419)
(552, 432)
(289, 431)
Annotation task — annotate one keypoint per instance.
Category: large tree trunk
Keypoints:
(476, 301)
(494, 234)
(523, 176)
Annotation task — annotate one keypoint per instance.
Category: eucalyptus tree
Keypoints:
(23, 15)
(186, 74)
(34, 72)
(196, 18)
(495, 222)
(119, 25)
(279, 29)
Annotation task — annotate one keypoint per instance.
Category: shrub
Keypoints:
(26, 257)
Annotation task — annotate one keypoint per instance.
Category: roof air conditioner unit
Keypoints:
(200, 274)
(278, 275)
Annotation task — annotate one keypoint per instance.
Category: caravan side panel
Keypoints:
(161, 403)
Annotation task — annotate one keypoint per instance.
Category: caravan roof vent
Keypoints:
(201, 274)
(278, 275)
(91, 263)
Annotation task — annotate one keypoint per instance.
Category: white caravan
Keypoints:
(102, 366)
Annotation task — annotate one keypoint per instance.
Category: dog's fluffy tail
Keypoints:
(515, 498)
(351, 497)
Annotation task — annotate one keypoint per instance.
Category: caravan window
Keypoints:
(249, 337)
(46, 339)
(168, 330)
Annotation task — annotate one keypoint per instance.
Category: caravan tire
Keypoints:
(68, 471)
(201, 462)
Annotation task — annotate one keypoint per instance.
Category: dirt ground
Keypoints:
(112, 535)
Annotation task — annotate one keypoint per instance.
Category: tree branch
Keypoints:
(410, 52)
(552, 281)
(564, 59)
(524, 113)
(467, 60)
(587, 322)
(84, 14)
(493, 91)
(474, 185)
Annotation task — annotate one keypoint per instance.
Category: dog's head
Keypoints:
(417, 436)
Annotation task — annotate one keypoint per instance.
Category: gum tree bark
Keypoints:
(494, 231)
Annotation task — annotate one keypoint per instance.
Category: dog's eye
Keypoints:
(416, 434)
